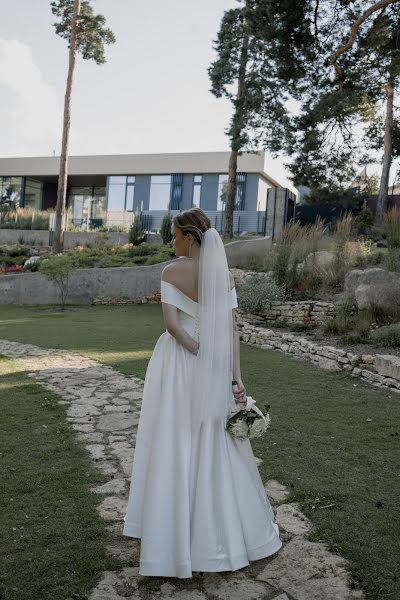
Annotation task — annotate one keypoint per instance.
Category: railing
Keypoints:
(252, 221)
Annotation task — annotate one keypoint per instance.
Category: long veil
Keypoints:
(212, 377)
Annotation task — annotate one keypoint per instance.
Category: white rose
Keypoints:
(258, 427)
(240, 429)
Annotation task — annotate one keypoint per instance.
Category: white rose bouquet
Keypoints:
(249, 422)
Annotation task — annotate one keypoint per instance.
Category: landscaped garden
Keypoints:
(333, 441)
(359, 273)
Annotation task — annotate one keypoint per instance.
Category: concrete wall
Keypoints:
(88, 284)
(239, 251)
(71, 238)
(85, 285)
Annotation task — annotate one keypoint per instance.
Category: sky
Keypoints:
(151, 96)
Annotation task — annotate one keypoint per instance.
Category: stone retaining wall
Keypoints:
(147, 299)
(382, 370)
(316, 313)
(304, 311)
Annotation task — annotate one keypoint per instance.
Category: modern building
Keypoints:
(108, 189)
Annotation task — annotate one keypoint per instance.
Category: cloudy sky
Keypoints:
(151, 96)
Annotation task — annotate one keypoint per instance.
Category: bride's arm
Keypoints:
(173, 326)
(238, 389)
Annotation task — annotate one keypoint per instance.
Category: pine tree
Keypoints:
(87, 35)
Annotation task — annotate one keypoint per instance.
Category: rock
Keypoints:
(115, 486)
(308, 571)
(388, 365)
(116, 421)
(327, 363)
(117, 586)
(236, 587)
(292, 520)
(112, 508)
(276, 491)
(96, 450)
(373, 286)
(124, 452)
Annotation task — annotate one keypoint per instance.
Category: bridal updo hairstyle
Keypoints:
(194, 221)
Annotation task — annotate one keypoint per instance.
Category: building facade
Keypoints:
(107, 190)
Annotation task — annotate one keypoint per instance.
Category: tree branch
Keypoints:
(355, 27)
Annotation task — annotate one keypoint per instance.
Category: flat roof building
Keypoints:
(108, 189)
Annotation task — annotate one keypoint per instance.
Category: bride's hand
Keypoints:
(196, 347)
(239, 392)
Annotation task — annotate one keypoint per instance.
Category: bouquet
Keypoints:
(249, 422)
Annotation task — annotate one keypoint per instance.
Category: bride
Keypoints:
(196, 497)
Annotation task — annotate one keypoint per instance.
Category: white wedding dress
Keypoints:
(196, 498)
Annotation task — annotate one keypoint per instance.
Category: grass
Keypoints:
(52, 539)
(320, 444)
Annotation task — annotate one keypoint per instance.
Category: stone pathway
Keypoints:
(103, 407)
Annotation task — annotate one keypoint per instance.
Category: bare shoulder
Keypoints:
(232, 280)
(171, 272)
(167, 272)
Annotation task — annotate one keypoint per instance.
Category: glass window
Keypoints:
(10, 192)
(115, 179)
(239, 194)
(120, 193)
(87, 204)
(116, 193)
(160, 192)
(196, 190)
(98, 202)
(33, 194)
(130, 192)
(196, 195)
(222, 189)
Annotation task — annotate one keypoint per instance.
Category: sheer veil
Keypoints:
(212, 377)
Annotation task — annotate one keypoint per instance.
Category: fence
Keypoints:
(251, 221)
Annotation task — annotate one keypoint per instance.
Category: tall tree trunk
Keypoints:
(387, 154)
(58, 240)
(237, 125)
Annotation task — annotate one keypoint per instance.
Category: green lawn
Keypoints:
(320, 443)
(52, 539)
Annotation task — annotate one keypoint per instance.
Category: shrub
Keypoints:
(391, 220)
(392, 261)
(363, 324)
(58, 270)
(336, 326)
(258, 292)
(364, 220)
(165, 229)
(349, 340)
(341, 249)
(299, 327)
(136, 232)
(18, 251)
(143, 250)
(388, 336)
(155, 259)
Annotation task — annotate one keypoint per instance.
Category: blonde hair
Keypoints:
(194, 221)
